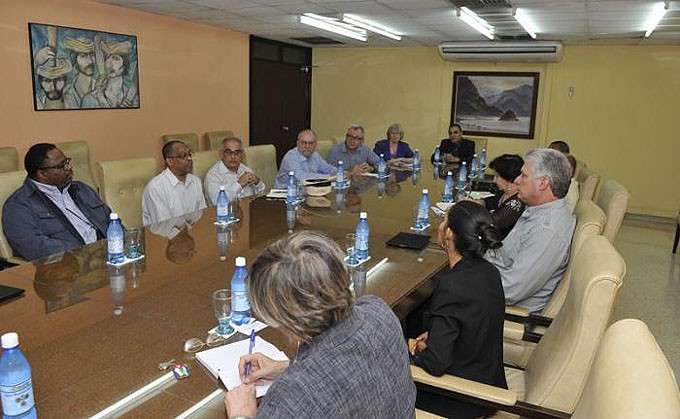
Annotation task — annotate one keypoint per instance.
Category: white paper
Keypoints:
(277, 193)
(223, 361)
(480, 194)
(252, 324)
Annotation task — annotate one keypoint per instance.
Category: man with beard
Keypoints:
(83, 59)
(52, 72)
(111, 91)
(51, 213)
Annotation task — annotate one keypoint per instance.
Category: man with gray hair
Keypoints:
(354, 155)
(535, 253)
(238, 179)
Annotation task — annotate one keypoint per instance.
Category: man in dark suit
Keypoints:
(51, 213)
(455, 148)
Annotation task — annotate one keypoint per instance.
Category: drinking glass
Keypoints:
(133, 243)
(221, 302)
(416, 220)
(350, 240)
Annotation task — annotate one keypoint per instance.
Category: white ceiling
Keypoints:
(428, 22)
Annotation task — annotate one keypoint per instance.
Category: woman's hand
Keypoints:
(261, 368)
(241, 401)
(419, 344)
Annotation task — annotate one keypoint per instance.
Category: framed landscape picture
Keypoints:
(82, 69)
(499, 104)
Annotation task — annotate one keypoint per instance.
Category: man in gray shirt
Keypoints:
(535, 253)
(353, 154)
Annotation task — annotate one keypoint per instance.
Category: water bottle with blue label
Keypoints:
(240, 306)
(292, 188)
(416, 159)
(437, 155)
(462, 182)
(362, 234)
(340, 180)
(222, 206)
(115, 238)
(16, 386)
(424, 209)
(382, 166)
(448, 188)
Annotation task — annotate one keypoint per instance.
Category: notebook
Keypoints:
(409, 241)
(7, 293)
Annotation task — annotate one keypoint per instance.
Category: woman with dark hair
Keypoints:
(505, 206)
(464, 321)
(352, 360)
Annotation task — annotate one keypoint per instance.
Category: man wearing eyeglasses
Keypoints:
(175, 191)
(355, 156)
(238, 179)
(304, 161)
(51, 213)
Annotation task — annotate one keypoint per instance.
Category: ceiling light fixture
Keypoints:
(477, 23)
(522, 18)
(658, 13)
(353, 20)
(333, 25)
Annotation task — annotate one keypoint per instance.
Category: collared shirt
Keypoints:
(313, 167)
(167, 197)
(65, 203)
(535, 254)
(349, 159)
(219, 175)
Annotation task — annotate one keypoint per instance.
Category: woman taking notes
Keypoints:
(352, 359)
(464, 321)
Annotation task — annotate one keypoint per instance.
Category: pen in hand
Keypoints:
(250, 350)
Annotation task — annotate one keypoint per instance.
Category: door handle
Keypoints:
(285, 128)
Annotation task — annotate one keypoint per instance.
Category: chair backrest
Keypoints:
(203, 161)
(590, 220)
(122, 186)
(214, 139)
(9, 159)
(630, 377)
(189, 138)
(323, 147)
(580, 164)
(262, 159)
(587, 183)
(9, 182)
(613, 199)
(480, 144)
(558, 367)
(79, 152)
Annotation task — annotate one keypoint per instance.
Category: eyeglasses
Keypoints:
(62, 165)
(182, 156)
(353, 138)
(229, 152)
(307, 143)
(192, 345)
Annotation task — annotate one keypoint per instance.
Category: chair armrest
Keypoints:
(517, 311)
(513, 330)
(522, 315)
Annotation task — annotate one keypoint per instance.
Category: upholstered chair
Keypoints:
(214, 138)
(587, 183)
(262, 159)
(9, 182)
(580, 164)
(122, 186)
(190, 139)
(79, 152)
(613, 199)
(203, 161)
(323, 147)
(9, 159)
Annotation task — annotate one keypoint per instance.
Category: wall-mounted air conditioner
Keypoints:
(546, 51)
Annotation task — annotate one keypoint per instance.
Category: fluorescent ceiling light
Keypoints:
(657, 14)
(477, 23)
(333, 25)
(521, 18)
(353, 20)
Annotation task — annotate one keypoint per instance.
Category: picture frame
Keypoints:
(495, 103)
(76, 69)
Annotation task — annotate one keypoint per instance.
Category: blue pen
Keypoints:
(250, 350)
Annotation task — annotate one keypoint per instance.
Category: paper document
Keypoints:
(223, 361)
(480, 194)
(277, 194)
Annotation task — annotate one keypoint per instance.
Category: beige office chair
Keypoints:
(9, 159)
(556, 373)
(587, 183)
(613, 199)
(580, 164)
(262, 159)
(79, 152)
(323, 147)
(203, 161)
(9, 182)
(189, 139)
(590, 220)
(214, 138)
(122, 186)
(480, 144)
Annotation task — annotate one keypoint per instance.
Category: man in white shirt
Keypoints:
(238, 179)
(175, 191)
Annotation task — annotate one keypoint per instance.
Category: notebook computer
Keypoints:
(409, 241)
(7, 293)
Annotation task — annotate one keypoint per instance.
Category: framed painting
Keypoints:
(499, 104)
(82, 69)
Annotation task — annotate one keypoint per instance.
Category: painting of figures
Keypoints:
(500, 104)
(82, 69)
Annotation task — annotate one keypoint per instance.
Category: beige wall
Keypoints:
(620, 119)
(193, 78)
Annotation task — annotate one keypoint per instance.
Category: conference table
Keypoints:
(95, 334)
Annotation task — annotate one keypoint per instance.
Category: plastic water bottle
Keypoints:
(462, 181)
(222, 206)
(448, 188)
(424, 209)
(290, 216)
(362, 233)
(292, 188)
(117, 283)
(437, 154)
(416, 159)
(340, 180)
(482, 164)
(16, 387)
(240, 306)
(382, 166)
(473, 167)
(115, 238)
